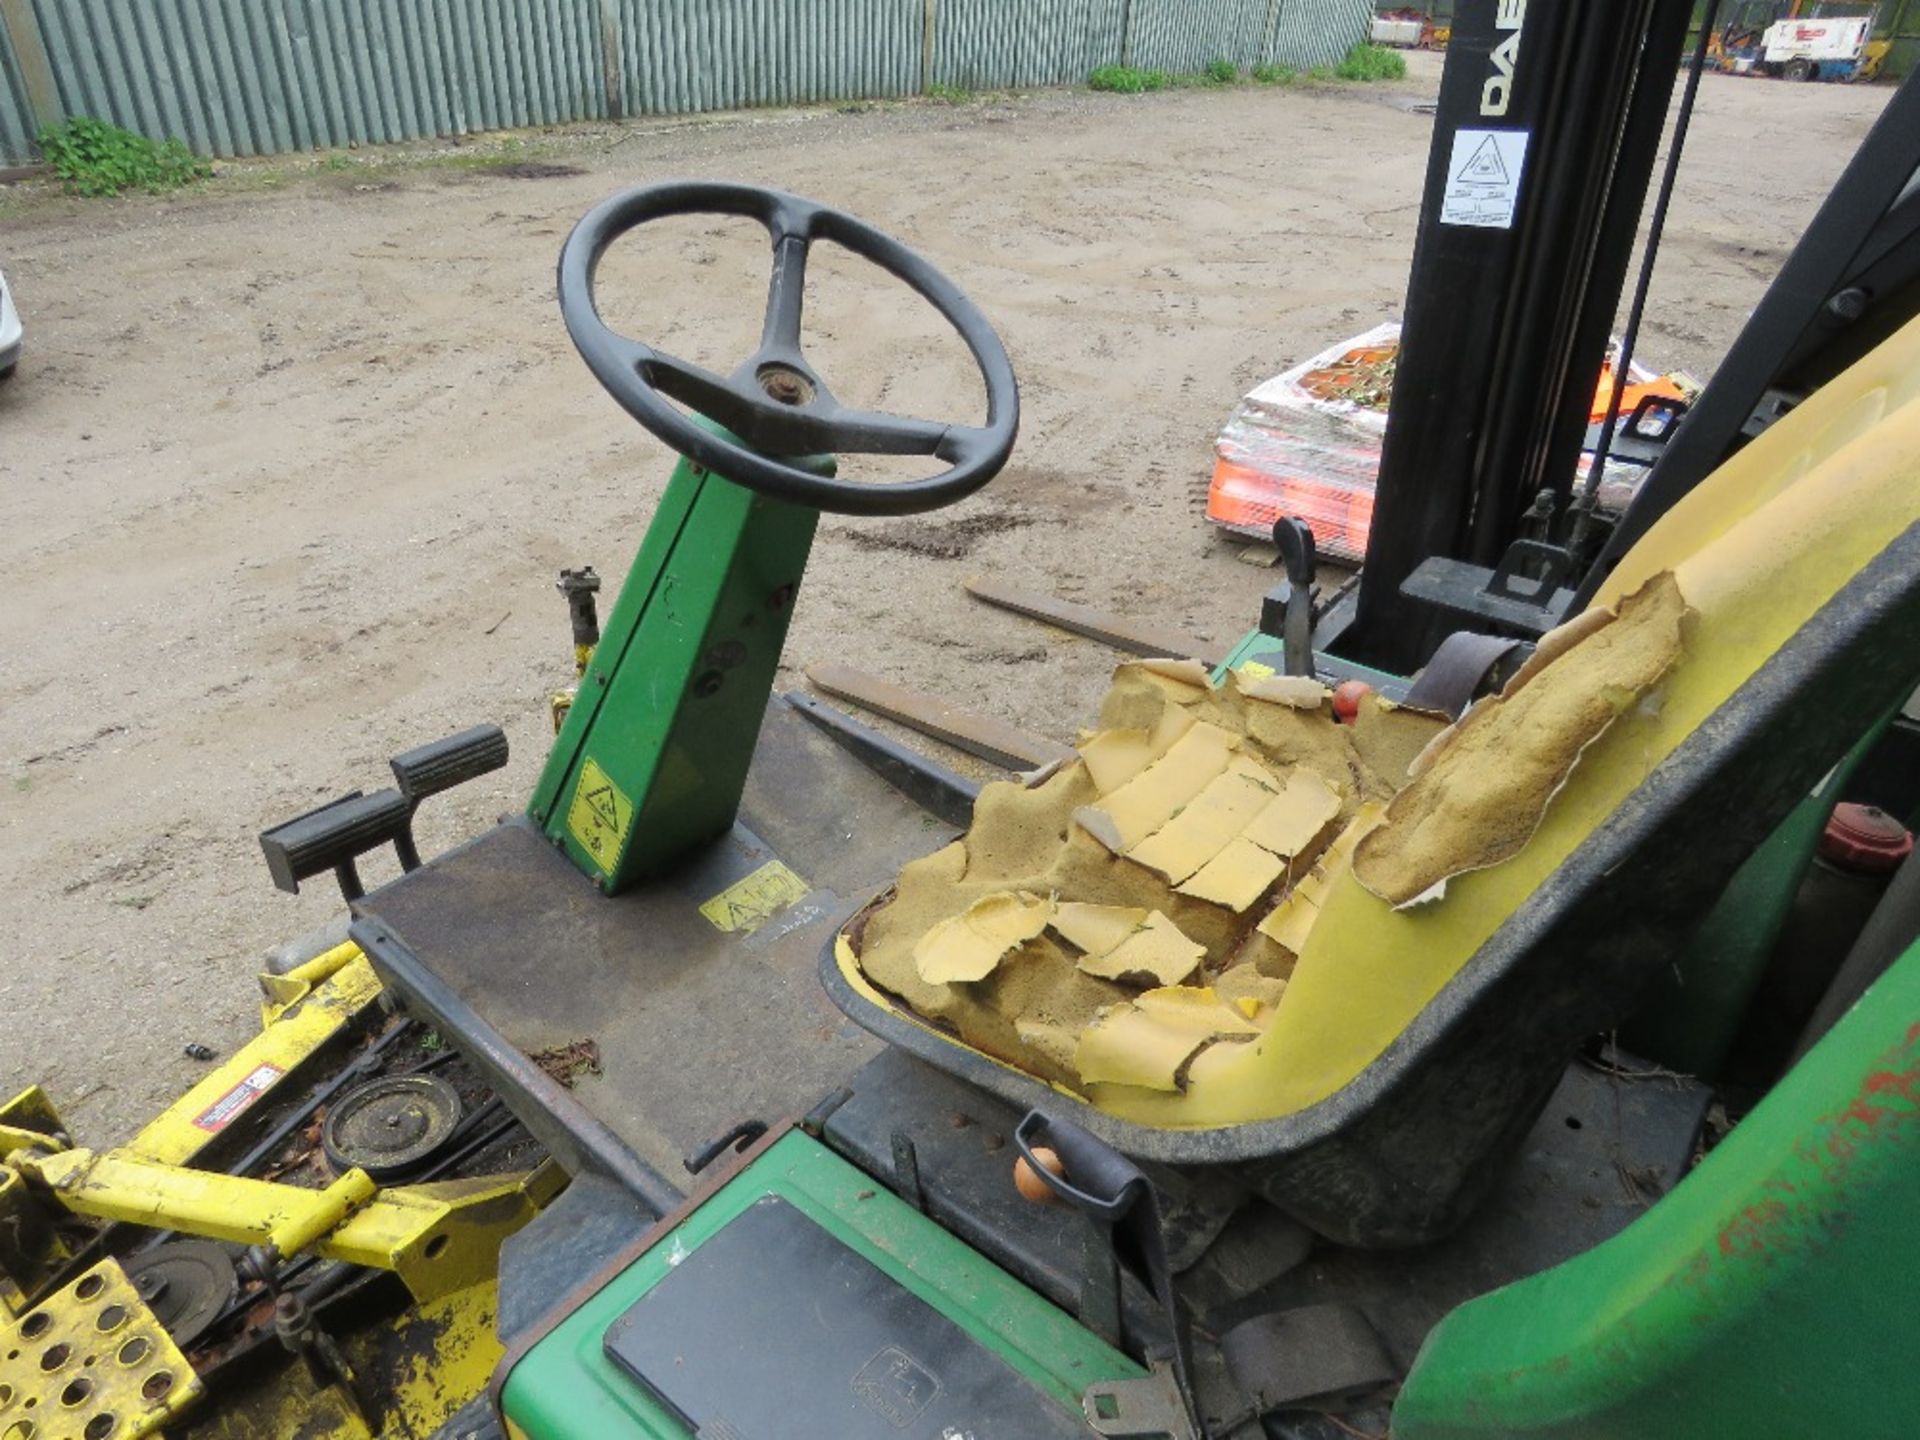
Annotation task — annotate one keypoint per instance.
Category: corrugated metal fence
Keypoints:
(244, 77)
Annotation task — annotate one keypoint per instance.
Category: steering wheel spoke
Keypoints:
(877, 432)
(699, 390)
(786, 297)
(962, 444)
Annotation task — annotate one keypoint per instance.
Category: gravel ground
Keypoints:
(292, 459)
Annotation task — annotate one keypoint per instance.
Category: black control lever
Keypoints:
(333, 837)
(446, 763)
(1112, 1190)
(1287, 609)
(441, 765)
(339, 832)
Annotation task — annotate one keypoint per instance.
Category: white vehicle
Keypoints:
(1805, 49)
(9, 332)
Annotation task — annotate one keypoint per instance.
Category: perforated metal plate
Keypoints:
(91, 1363)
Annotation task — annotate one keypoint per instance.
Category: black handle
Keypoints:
(429, 769)
(1097, 1178)
(1116, 1192)
(1295, 595)
(333, 837)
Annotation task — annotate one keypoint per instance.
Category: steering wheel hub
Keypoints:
(787, 385)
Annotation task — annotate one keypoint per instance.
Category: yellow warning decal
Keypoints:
(1254, 670)
(599, 817)
(746, 905)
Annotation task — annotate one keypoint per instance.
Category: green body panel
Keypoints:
(670, 707)
(565, 1388)
(1260, 648)
(1771, 1294)
(1691, 1015)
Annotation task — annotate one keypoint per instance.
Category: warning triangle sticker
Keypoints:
(1483, 167)
(600, 801)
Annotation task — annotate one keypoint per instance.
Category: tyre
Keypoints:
(1801, 69)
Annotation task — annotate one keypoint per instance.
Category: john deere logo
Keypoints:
(896, 1386)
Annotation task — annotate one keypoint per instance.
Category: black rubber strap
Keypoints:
(1456, 672)
(1315, 1357)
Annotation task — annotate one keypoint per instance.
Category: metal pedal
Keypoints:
(92, 1360)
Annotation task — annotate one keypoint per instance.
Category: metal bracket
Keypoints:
(1148, 1408)
(1489, 594)
(1552, 564)
(739, 1137)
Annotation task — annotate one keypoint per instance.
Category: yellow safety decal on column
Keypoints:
(599, 817)
(746, 905)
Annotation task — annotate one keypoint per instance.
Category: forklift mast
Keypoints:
(1548, 124)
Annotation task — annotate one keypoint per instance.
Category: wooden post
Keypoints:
(926, 46)
(611, 73)
(36, 69)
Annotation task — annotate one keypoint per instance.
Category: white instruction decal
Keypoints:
(1483, 178)
(232, 1105)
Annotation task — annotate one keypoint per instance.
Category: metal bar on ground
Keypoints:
(1134, 636)
(983, 735)
(927, 783)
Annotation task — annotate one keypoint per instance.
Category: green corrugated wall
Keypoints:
(250, 77)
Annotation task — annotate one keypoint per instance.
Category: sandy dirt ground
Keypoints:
(292, 461)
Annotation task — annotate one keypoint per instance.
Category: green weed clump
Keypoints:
(1367, 62)
(951, 94)
(96, 157)
(1128, 79)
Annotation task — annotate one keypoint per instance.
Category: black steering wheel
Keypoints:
(774, 402)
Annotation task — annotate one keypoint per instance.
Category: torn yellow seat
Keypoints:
(1483, 837)
(1752, 554)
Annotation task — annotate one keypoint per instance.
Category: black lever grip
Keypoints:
(1117, 1194)
(1294, 595)
(332, 837)
(1098, 1179)
(429, 769)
